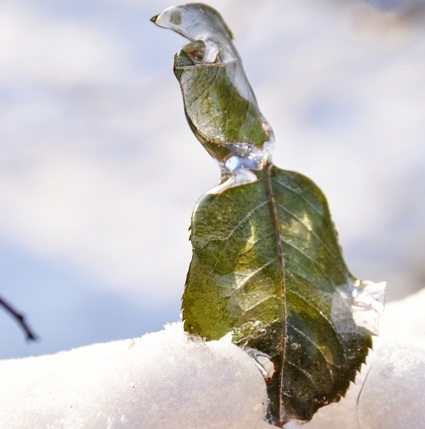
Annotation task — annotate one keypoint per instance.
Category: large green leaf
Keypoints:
(266, 267)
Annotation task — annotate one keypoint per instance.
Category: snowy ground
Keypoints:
(165, 380)
(99, 171)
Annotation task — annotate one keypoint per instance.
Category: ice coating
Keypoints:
(220, 105)
(364, 299)
(195, 21)
(263, 363)
(248, 330)
(368, 304)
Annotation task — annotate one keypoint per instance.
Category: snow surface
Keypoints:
(168, 380)
(162, 380)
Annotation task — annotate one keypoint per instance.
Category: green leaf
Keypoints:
(266, 266)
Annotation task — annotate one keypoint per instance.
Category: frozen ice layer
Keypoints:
(219, 103)
(194, 21)
(263, 362)
(368, 304)
(363, 299)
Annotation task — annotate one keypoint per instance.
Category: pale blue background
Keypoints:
(99, 171)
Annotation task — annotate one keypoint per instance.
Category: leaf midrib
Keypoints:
(280, 254)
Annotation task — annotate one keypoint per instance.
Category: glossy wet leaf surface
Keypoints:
(266, 267)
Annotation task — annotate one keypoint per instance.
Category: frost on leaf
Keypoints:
(266, 267)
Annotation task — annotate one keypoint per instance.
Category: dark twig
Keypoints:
(20, 318)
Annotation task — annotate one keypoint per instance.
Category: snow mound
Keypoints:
(167, 380)
(162, 380)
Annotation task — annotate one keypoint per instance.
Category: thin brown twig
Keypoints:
(20, 318)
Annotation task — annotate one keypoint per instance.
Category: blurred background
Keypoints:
(99, 171)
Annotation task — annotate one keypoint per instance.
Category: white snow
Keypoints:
(167, 380)
(162, 380)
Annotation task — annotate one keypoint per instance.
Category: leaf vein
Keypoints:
(299, 194)
(314, 261)
(313, 233)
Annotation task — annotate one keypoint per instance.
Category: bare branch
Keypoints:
(20, 318)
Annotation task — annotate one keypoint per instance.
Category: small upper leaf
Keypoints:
(219, 103)
(266, 264)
